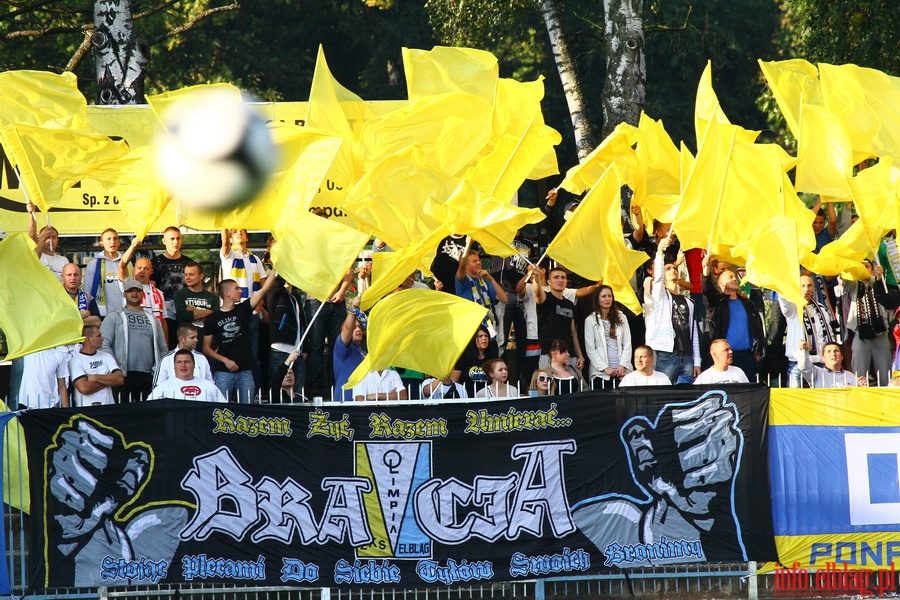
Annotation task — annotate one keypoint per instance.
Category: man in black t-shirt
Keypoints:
(226, 340)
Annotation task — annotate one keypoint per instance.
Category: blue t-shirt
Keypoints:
(738, 334)
(346, 359)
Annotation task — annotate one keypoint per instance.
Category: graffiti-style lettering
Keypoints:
(228, 503)
(538, 494)
(665, 549)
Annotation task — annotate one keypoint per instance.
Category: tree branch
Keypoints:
(80, 52)
(154, 10)
(190, 24)
(48, 31)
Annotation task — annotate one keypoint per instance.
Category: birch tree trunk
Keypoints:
(119, 55)
(626, 73)
(565, 64)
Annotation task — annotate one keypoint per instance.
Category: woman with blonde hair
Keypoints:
(542, 383)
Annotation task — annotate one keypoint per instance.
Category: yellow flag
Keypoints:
(615, 149)
(843, 256)
(451, 129)
(448, 69)
(516, 105)
(422, 330)
(707, 110)
(490, 221)
(868, 102)
(40, 97)
(657, 182)
(36, 313)
(304, 156)
(592, 244)
(390, 269)
(16, 487)
(772, 258)
(733, 187)
(793, 82)
(52, 159)
(330, 106)
(501, 172)
(134, 182)
(825, 158)
(390, 199)
(876, 200)
(314, 253)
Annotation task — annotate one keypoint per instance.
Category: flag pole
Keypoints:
(308, 326)
(28, 200)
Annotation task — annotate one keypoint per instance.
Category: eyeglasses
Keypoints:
(543, 378)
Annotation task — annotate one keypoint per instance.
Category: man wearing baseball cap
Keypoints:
(137, 342)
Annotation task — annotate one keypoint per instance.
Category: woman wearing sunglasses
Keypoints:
(542, 384)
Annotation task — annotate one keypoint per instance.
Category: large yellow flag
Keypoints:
(772, 258)
(793, 82)
(868, 102)
(304, 156)
(331, 108)
(843, 256)
(615, 149)
(517, 105)
(52, 159)
(314, 253)
(40, 97)
(448, 69)
(499, 173)
(391, 198)
(390, 269)
(422, 330)
(134, 181)
(451, 129)
(825, 158)
(875, 198)
(36, 313)
(657, 181)
(707, 110)
(490, 221)
(592, 244)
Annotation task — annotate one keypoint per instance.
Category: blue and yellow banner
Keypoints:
(834, 457)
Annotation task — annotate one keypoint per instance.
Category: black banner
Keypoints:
(393, 494)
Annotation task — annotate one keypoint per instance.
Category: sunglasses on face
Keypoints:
(543, 378)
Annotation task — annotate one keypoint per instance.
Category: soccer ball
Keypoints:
(216, 152)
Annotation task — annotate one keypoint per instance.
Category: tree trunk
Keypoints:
(584, 136)
(626, 74)
(119, 55)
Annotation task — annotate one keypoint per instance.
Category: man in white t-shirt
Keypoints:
(643, 373)
(93, 372)
(722, 370)
(832, 374)
(188, 339)
(185, 386)
(44, 378)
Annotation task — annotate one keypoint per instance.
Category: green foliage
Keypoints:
(840, 31)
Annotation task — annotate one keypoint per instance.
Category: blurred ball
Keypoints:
(216, 152)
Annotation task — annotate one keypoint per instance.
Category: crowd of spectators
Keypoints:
(153, 327)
